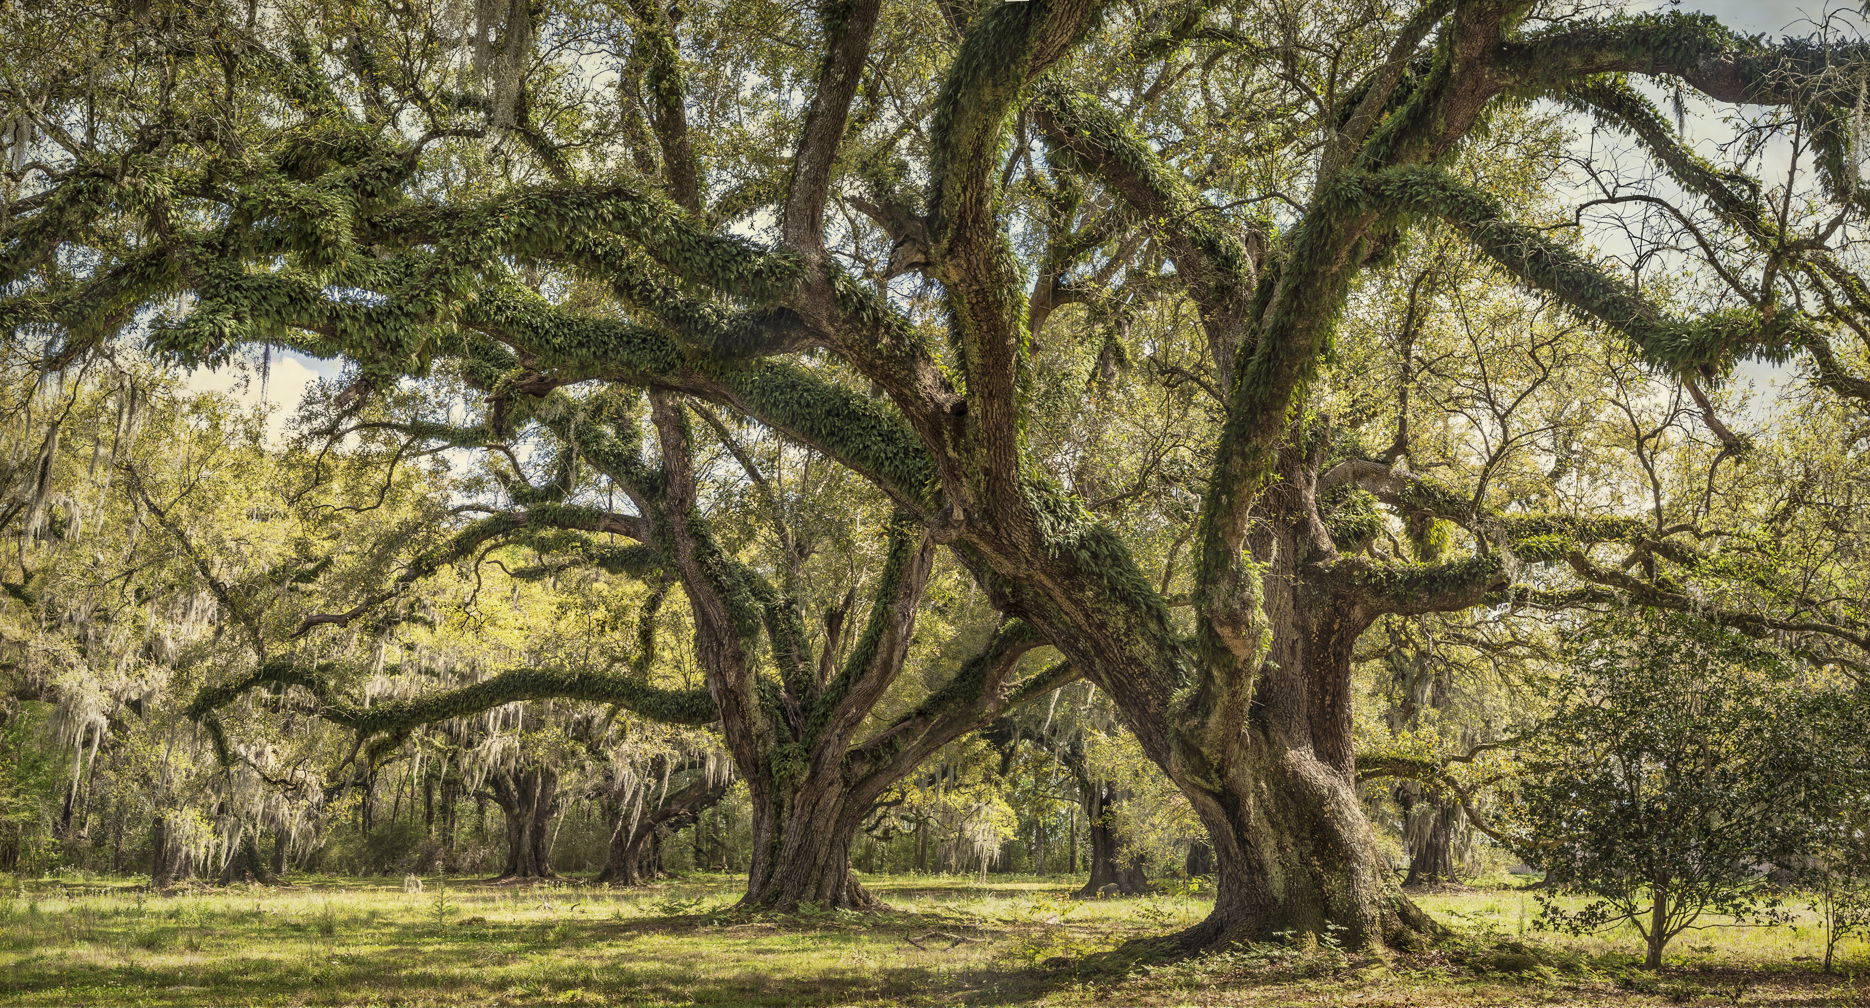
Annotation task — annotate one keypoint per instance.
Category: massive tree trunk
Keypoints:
(528, 797)
(1110, 875)
(802, 851)
(1262, 744)
(624, 863)
(637, 832)
(246, 865)
(1294, 849)
(161, 863)
(1429, 833)
(1200, 860)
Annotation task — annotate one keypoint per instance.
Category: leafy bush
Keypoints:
(1684, 760)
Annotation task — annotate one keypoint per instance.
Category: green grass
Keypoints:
(946, 940)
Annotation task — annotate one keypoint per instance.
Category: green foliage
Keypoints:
(441, 906)
(1683, 758)
(301, 177)
(1352, 518)
(29, 790)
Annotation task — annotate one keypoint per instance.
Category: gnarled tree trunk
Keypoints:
(1294, 849)
(1262, 747)
(1110, 874)
(802, 838)
(528, 797)
(638, 834)
(246, 865)
(161, 863)
(1429, 833)
(1200, 860)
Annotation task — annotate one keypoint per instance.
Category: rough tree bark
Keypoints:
(161, 864)
(1096, 798)
(1110, 874)
(246, 865)
(1428, 831)
(1200, 860)
(1251, 718)
(635, 838)
(528, 798)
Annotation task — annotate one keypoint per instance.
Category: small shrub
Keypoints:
(674, 906)
(441, 907)
(1512, 962)
(1680, 991)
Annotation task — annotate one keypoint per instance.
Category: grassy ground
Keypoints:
(947, 941)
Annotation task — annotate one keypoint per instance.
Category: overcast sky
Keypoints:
(1773, 17)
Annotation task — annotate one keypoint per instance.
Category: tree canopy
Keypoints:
(958, 250)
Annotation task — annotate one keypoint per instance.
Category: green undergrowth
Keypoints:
(945, 940)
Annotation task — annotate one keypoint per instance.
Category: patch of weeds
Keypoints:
(327, 920)
(1639, 980)
(674, 906)
(1680, 991)
(441, 906)
(1515, 960)
(1317, 955)
(1518, 963)
(1155, 913)
(1050, 947)
(1243, 959)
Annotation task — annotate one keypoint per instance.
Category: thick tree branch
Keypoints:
(878, 654)
(1217, 268)
(851, 24)
(684, 707)
(1713, 341)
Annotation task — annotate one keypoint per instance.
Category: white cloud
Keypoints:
(287, 379)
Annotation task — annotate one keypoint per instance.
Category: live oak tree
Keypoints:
(806, 721)
(667, 793)
(963, 190)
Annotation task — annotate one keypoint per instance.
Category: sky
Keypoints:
(291, 373)
(1772, 17)
(287, 380)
